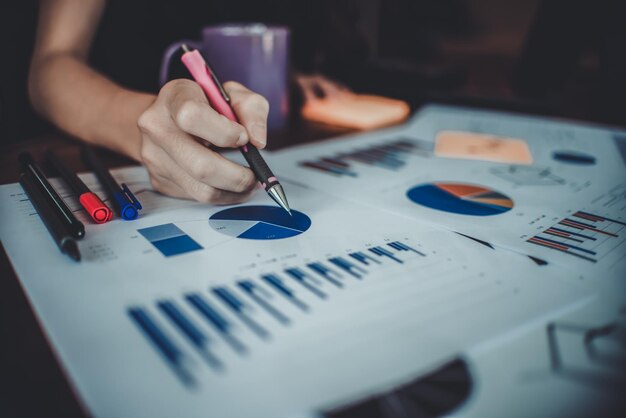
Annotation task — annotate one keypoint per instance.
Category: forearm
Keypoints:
(86, 104)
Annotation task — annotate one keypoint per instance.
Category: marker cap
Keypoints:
(128, 204)
(96, 208)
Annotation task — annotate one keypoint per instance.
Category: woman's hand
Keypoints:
(176, 131)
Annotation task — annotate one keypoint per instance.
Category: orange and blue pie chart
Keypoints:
(460, 198)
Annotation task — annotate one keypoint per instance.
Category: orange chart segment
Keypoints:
(507, 203)
(462, 190)
(460, 198)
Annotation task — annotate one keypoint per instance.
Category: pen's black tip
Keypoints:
(71, 248)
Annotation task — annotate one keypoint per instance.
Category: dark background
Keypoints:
(555, 57)
(562, 57)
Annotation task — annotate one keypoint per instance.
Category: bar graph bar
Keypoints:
(305, 280)
(348, 267)
(364, 258)
(197, 338)
(571, 236)
(381, 252)
(584, 226)
(216, 320)
(262, 298)
(169, 239)
(326, 273)
(239, 309)
(275, 282)
(582, 235)
(399, 246)
(163, 344)
(391, 155)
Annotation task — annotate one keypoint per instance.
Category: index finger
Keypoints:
(191, 112)
(251, 109)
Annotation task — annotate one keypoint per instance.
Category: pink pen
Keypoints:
(219, 100)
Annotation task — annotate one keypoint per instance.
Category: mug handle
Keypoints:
(169, 53)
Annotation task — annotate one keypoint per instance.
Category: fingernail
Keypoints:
(259, 133)
(243, 138)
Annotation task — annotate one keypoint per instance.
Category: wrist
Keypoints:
(126, 137)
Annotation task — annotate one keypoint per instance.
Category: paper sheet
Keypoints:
(175, 315)
(577, 177)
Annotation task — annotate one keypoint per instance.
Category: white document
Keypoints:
(196, 311)
(552, 209)
(572, 366)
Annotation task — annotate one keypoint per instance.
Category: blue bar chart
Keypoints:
(390, 155)
(234, 315)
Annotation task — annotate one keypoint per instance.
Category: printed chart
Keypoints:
(247, 298)
(582, 235)
(464, 199)
(390, 155)
(259, 222)
(169, 239)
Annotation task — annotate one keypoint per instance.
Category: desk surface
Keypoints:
(32, 382)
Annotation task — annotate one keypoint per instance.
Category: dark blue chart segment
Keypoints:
(463, 199)
(259, 222)
(573, 157)
(169, 239)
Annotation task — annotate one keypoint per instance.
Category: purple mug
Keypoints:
(254, 55)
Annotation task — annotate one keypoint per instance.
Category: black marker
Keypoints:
(95, 207)
(61, 223)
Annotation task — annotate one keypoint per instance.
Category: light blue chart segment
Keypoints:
(259, 222)
(169, 239)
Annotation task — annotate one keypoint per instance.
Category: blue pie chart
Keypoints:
(259, 222)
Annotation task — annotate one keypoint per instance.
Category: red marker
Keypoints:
(95, 207)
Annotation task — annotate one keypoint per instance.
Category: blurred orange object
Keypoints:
(356, 111)
(478, 146)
